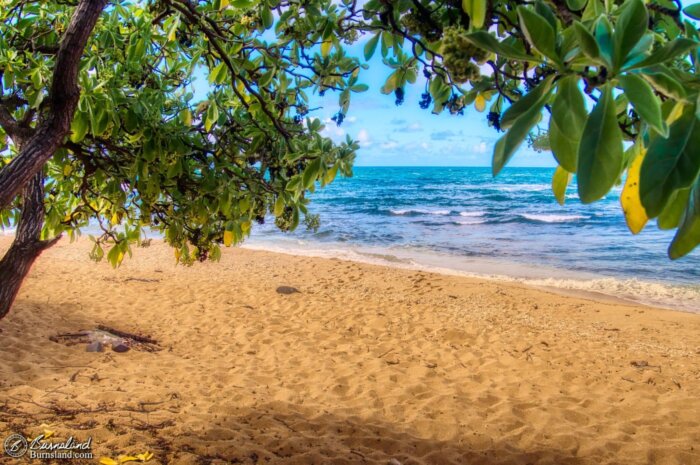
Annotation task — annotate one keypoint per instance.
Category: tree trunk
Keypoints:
(63, 99)
(27, 246)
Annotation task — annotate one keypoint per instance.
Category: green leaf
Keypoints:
(645, 102)
(576, 5)
(665, 53)
(218, 74)
(664, 82)
(566, 123)
(387, 42)
(211, 117)
(586, 41)
(640, 51)
(671, 163)
(671, 216)
(185, 116)
(330, 175)
(604, 39)
(526, 102)
(594, 8)
(560, 181)
(544, 10)
(311, 173)
(371, 46)
(600, 152)
(693, 11)
(476, 9)
(483, 39)
(630, 27)
(279, 206)
(511, 140)
(539, 33)
(266, 78)
(267, 18)
(688, 235)
(79, 126)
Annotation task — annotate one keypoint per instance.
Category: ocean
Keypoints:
(465, 221)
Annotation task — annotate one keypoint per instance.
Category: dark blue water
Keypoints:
(465, 212)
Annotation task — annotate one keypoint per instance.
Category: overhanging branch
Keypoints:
(63, 99)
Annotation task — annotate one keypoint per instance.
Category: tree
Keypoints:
(101, 121)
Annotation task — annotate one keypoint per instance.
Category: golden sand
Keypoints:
(366, 365)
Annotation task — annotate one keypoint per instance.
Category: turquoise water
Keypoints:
(463, 218)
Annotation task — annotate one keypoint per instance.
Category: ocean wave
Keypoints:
(418, 211)
(677, 296)
(523, 187)
(472, 214)
(553, 218)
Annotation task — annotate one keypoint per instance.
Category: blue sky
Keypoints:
(405, 135)
(408, 136)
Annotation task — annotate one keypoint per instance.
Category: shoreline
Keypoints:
(363, 365)
(537, 276)
(666, 295)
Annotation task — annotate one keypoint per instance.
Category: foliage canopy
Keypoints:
(617, 82)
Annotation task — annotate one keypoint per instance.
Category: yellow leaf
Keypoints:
(224, 4)
(108, 461)
(186, 117)
(245, 227)
(228, 238)
(127, 458)
(67, 170)
(560, 181)
(145, 457)
(115, 218)
(326, 47)
(480, 103)
(178, 253)
(635, 215)
(676, 113)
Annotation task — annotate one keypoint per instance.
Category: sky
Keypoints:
(406, 135)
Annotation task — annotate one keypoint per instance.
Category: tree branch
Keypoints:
(63, 99)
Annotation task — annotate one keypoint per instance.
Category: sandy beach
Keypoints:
(364, 365)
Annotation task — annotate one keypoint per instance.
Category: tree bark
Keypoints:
(63, 99)
(27, 245)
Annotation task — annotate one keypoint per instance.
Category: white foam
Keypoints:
(472, 214)
(470, 222)
(678, 296)
(553, 218)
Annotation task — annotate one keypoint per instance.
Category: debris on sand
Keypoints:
(97, 339)
(286, 290)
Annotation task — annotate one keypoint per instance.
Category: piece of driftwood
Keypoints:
(104, 336)
(124, 334)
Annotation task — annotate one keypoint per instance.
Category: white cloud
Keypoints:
(363, 138)
(480, 147)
